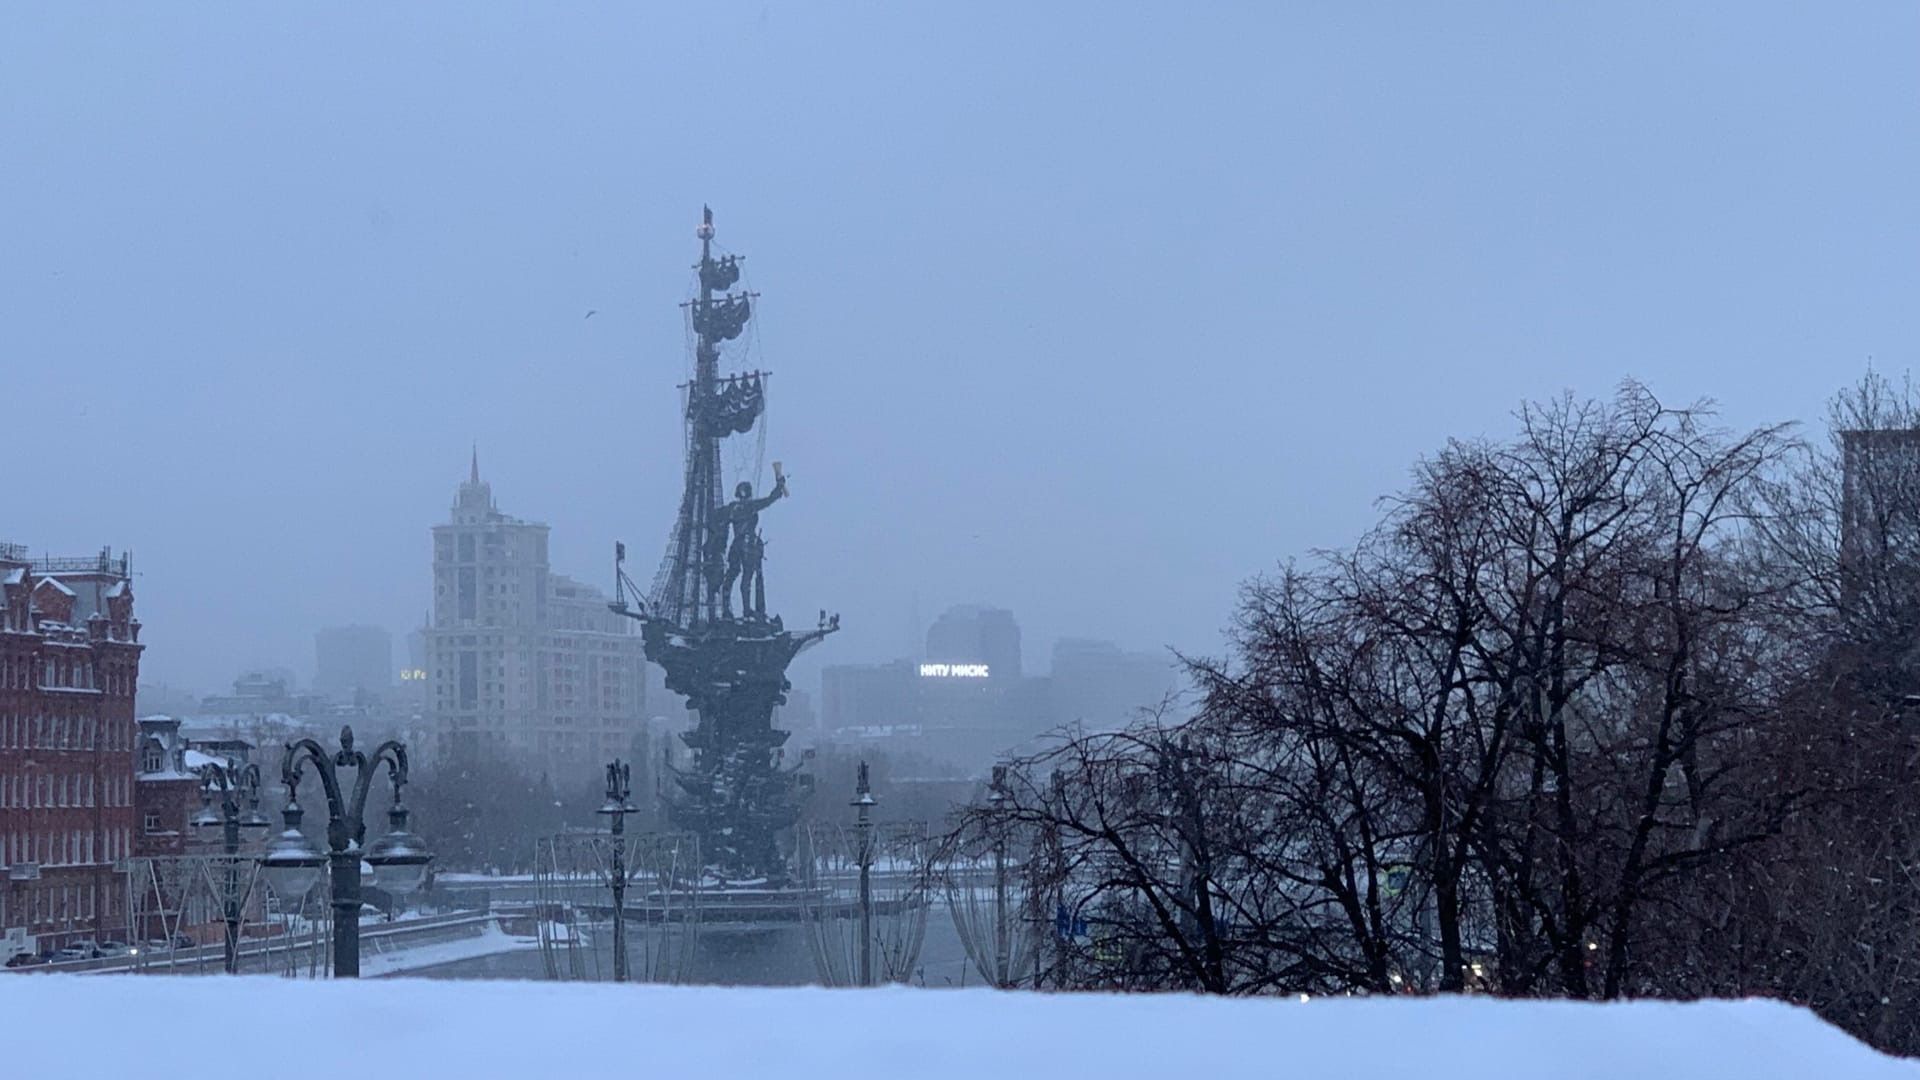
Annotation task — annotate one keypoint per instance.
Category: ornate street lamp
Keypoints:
(399, 859)
(234, 783)
(619, 787)
(292, 865)
(995, 918)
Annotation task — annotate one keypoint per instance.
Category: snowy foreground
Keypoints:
(418, 1028)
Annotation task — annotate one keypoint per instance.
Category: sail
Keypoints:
(719, 275)
(722, 319)
(733, 408)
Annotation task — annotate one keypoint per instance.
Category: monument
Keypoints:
(739, 792)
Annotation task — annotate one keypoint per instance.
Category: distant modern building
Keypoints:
(69, 665)
(258, 693)
(966, 702)
(1100, 686)
(1879, 518)
(413, 674)
(963, 703)
(353, 663)
(973, 634)
(869, 700)
(523, 663)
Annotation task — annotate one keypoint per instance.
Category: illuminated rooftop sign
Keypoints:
(954, 671)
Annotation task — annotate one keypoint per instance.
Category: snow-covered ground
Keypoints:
(482, 1030)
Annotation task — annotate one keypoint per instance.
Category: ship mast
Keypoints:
(687, 589)
(706, 378)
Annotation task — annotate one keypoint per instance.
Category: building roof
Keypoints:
(195, 760)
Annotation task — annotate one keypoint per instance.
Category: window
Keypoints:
(152, 823)
(469, 679)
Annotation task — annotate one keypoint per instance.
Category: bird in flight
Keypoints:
(592, 312)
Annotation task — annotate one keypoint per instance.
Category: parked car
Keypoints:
(25, 959)
(114, 948)
(79, 950)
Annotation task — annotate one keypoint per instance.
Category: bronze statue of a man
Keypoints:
(746, 550)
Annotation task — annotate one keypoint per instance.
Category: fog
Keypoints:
(1086, 311)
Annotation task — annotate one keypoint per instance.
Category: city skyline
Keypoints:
(305, 672)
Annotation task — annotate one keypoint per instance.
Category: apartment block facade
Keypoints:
(69, 664)
(524, 664)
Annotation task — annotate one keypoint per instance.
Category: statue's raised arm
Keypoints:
(779, 492)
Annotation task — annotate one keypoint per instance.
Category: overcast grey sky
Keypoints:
(1087, 310)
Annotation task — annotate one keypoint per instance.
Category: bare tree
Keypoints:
(1624, 704)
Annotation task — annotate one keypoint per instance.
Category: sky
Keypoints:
(1091, 311)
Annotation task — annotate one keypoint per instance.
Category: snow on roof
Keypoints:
(483, 1030)
(119, 588)
(195, 760)
(56, 583)
(15, 576)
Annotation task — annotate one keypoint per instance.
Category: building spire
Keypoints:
(474, 476)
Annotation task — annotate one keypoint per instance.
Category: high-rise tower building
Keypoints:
(977, 635)
(523, 663)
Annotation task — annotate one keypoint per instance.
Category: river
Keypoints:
(776, 955)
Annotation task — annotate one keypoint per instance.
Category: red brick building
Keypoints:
(165, 793)
(69, 662)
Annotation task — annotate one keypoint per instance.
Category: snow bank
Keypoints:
(483, 1030)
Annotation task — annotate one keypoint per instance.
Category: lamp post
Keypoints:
(234, 783)
(1002, 932)
(863, 824)
(399, 859)
(619, 787)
